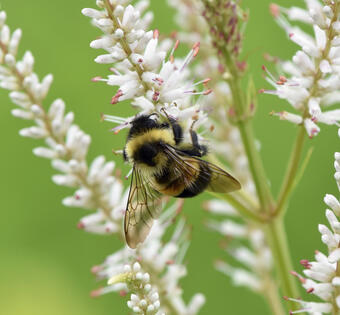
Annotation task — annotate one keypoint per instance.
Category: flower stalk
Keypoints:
(245, 211)
(275, 231)
(276, 234)
(273, 299)
(109, 8)
(292, 169)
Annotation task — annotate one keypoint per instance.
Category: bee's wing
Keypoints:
(221, 181)
(143, 206)
(192, 167)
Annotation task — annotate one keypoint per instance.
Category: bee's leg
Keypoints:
(125, 156)
(200, 149)
(176, 128)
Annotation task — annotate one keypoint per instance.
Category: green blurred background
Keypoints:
(45, 261)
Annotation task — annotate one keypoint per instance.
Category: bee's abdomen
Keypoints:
(183, 186)
(165, 181)
(199, 184)
(164, 176)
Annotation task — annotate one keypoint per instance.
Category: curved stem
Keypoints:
(277, 239)
(250, 214)
(245, 127)
(292, 169)
(256, 165)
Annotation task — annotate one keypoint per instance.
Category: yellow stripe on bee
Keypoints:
(152, 135)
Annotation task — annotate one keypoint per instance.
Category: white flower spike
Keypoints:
(311, 81)
(143, 67)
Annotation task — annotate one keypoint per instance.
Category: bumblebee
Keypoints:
(164, 165)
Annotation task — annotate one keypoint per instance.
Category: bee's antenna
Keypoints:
(165, 113)
(154, 114)
(193, 123)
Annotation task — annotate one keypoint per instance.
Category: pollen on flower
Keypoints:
(115, 98)
(295, 274)
(196, 49)
(97, 79)
(96, 293)
(96, 269)
(305, 263)
(206, 81)
(310, 290)
(80, 225)
(155, 96)
(156, 34)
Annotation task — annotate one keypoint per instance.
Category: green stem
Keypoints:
(272, 297)
(245, 127)
(292, 169)
(256, 165)
(277, 239)
(250, 214)
(276, 235)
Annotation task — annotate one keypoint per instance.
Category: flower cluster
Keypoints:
(143, 68)
(322, 276)
(66, 144)
(310, 82)
(162, 262)
(146, 301)
(225, 18)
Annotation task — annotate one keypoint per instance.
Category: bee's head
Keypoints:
(144, 122)
(146, 139)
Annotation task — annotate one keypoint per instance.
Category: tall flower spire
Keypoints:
(310, 82)
(66, 145)
(144, 68)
